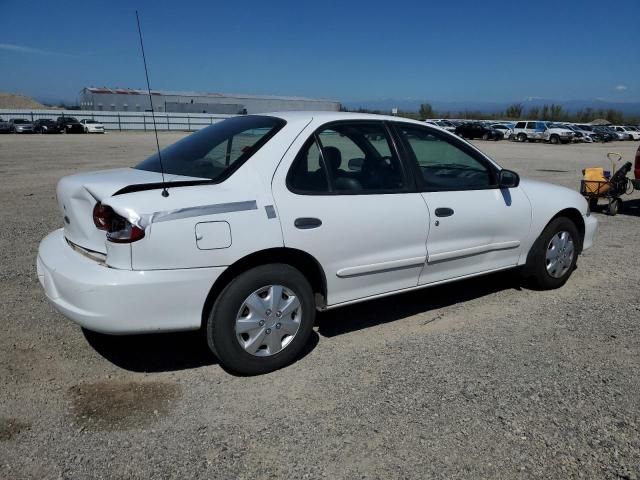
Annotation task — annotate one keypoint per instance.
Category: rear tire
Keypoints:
(485, 136)
(615, 205)
(549, 265)
(231, 312)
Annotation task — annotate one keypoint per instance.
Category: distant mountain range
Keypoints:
(413, 105)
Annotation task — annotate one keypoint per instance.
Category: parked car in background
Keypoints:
(5, 127)
(529, 131)
(45, 125)
(596, 136)
(578, 135)
(70, 125)
(634, 129)
(473, 130)
(630, 132)
(606, 134)
(556, 133)
(20, 125)
(91, 126)
(505, 129)
(433, 208)
(446, 124)
(589, 135)
(618, 134)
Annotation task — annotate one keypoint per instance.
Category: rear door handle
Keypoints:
(305, 223)
(444, 212)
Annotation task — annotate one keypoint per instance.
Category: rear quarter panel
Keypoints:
(173, 244)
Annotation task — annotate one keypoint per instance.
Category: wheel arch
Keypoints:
(302, 261)
(572, 214)
(575, 216)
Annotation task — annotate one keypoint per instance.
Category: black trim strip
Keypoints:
(141, 187)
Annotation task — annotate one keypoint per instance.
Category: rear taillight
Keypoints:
(102, 216)
(122, 231)
(119, 229)
(636, 167)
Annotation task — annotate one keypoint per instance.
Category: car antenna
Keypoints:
(165, 192)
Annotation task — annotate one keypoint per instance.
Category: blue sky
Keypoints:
(346, 50)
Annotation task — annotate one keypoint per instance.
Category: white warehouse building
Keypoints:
(137, 100)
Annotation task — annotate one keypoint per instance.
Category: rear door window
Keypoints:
(348, 158)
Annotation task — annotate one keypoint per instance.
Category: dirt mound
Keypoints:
(13, 100)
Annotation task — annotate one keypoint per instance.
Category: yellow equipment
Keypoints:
(595, 181)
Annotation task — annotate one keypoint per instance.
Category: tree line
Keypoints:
(517, 111)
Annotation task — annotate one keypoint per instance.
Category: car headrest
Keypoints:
(332, 158)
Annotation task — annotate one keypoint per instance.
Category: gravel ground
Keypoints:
(477, 379)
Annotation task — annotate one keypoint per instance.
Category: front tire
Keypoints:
(522, 137)
(262, 320)
(554, 139)
(554, 254)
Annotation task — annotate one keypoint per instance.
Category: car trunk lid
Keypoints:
(78, 194)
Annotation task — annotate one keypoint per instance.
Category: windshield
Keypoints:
(215, 151)
(90, 121)
(68, 119)
(19, 120)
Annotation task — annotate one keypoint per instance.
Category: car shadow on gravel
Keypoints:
(384, 310)
(163, 352)
(160, 352)
(630, 208)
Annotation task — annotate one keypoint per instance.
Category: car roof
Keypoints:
(327, 116)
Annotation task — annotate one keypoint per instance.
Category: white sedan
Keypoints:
(91, 126)
(263, 219)
(631, 133)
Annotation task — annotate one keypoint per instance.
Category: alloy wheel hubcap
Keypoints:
(268, 320)
(559, 255)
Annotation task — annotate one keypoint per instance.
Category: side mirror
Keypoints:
(355, 164)
(508, 179)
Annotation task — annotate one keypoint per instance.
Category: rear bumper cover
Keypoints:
(115, 301)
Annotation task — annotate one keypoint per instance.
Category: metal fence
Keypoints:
(121, 121)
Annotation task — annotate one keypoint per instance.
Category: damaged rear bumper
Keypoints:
(115, 301)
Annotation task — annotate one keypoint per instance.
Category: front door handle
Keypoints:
(444, 212)
(305, 223)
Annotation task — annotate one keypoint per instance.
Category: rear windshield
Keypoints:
(215, 151)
